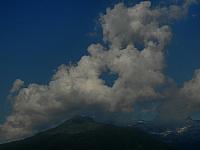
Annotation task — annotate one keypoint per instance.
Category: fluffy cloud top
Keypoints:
(17, 85)
(191, 88)
(76, 88)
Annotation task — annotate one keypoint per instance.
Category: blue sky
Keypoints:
(37, 36)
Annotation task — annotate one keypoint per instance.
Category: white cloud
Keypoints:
(17, 85)
(180, 103)
(191, 88)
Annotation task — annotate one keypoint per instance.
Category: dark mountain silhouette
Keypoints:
(185, 136)
(82, 133)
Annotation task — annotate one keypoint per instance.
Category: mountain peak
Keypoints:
(76, 125)
(84, 133)
(81, 119)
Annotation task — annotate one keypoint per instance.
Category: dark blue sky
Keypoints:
(36, 36)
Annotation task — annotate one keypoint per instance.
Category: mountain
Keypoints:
(84, 133)
(184, 137)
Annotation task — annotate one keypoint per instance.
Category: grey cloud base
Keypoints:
(77, 88)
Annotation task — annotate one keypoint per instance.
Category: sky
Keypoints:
(38, 36)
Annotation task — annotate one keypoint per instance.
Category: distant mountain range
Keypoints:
(82, 133)
(86, 134)
(184, 137)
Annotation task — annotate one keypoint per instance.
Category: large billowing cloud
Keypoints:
(192, 87)
(76, 88)
(180, 103)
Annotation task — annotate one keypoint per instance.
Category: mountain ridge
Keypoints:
(85, 133)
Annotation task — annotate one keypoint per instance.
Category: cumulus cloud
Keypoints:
(76, 88)
(17, 85)
(180, 103)
(191, 88)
